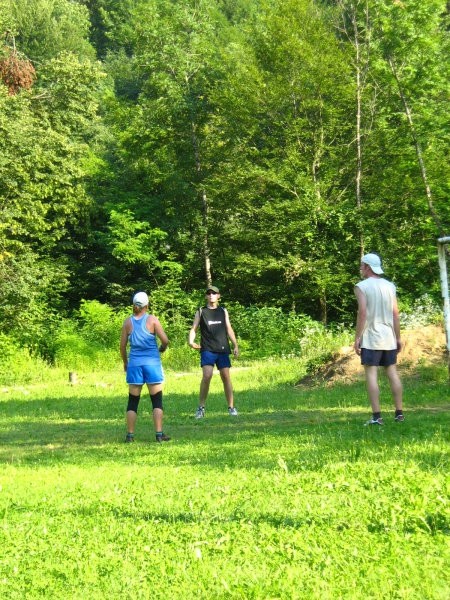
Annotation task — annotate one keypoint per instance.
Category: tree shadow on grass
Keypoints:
(91, 431)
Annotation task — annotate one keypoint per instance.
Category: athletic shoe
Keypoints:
(130, 438)
(374, 422)
(162, 438)
(399, 418)
(200, 412)
(232, 411)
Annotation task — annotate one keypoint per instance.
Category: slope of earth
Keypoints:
(422, 346)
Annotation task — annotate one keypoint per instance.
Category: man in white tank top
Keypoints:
(377, 336)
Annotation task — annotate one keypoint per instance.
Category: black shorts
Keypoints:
(378, 358)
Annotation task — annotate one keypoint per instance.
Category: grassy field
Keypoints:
(292, 499)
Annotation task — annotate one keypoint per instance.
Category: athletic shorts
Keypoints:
(152, 374)
(378, 358)
(221, 360)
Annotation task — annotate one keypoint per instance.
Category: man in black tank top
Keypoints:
(215, 333)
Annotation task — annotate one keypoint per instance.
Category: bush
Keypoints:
(100, 323)
(91, 340)
(268, 331)
(424, 311)
(19, 366)
(74, 352)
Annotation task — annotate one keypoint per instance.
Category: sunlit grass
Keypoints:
(294, 498)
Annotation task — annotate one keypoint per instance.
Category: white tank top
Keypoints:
(379, 333)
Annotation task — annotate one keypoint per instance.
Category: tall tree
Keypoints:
(43, 28)
(282, 122)
(354, 25)
(165, 143)
(44, 145)
(415, 46)
(406, 77)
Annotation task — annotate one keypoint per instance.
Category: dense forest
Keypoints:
(259, 144)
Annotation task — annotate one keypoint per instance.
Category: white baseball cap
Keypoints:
(140, 299)
(374, 262)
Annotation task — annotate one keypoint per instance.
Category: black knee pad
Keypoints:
(133, 402)
(156, 400)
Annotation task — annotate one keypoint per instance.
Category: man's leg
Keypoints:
(396, 386)
(373, 389)
(227, 386)
(207, 371)
(135, 392)
(157, 412)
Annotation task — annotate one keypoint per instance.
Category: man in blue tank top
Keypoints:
(143, 364)
(215, 331)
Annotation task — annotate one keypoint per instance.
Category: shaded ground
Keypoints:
(426, 345)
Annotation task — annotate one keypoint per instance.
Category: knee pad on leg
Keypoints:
(157, 400)
(133, 402)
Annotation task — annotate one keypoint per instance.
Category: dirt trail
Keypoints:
(426, 345)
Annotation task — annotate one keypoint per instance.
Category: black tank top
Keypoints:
(213, 330)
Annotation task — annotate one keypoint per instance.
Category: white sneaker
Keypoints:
(232, 411)
(374, 422)
(200, 412)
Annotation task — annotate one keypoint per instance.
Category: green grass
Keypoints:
(292, 499)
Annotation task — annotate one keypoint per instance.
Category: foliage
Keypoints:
(268, 331)
(280, 176)
(44, 151)
(220, 137)
(100, 323)
(19, 366)
(91, 340)
(29, 298)
(404, 71)
(314, 365)
(44, 28)
(17, 73)
(423, 311)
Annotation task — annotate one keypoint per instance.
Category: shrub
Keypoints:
(91, 340)
(19, 365)
(424, 311)
(315, 363)
(268, 331)
(100, 323)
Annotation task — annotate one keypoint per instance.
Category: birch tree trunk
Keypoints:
(205, 208)
(417, 147)
(360, 39)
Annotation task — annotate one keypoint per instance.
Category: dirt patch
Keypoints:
(426, 345)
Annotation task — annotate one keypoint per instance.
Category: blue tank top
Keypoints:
(143, 344)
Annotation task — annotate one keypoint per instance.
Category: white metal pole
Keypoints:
(444, 288)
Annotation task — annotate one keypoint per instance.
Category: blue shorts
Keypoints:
(221, 360)
(151, 374)
(378, 358)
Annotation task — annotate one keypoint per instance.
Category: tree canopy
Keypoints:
(261, 144)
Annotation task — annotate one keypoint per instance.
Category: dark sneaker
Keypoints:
(162, 438)
(399, 418)
(130, 438)
(232, 411)
(375, 422)
(200, 412)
